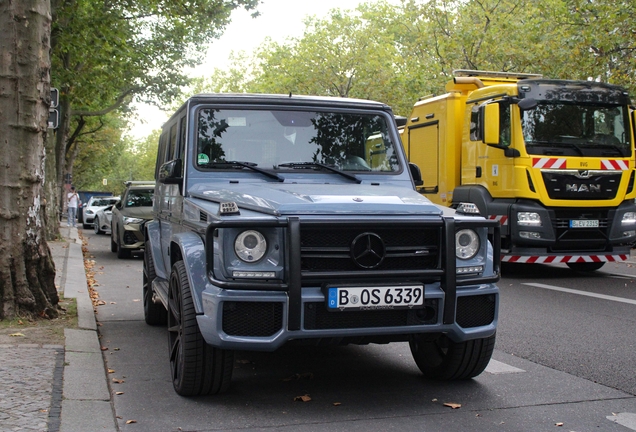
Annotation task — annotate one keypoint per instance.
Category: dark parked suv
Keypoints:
(295, 220)
(134, 208)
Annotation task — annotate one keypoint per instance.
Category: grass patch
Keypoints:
(40, 331)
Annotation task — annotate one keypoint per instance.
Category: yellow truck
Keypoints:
(551, 160)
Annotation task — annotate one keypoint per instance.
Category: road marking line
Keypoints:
(624, 419)
(497, 367)
(583, 293)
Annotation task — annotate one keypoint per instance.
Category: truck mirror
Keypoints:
(527, 104)
(170, 172)
(491, 123)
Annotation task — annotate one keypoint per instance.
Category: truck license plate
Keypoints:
(587, 223)
(375, 298)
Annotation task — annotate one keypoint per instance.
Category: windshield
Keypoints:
(271, 139)
(104, 202)
(580, 130)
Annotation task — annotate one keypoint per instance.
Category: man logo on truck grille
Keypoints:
(368, 250)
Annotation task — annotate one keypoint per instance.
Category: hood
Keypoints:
(138, 212)
(290, 199)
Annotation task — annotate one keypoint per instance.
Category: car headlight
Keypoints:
(89, 212)
(131, 220)
(466, 244)
(529, 219)
(250, 246)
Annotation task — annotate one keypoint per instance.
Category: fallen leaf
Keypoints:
(16, 334)
(336, 404)
(119, 393)
(131, 421)
(118, 381)
(101, 302)
(559, 424)
(104, 348)
(303, 398)
(113, 302)
(111, 370)
(115, 349)
(452, 405)
(136, 300)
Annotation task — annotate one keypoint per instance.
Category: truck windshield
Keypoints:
(577, 130)
(275, 138)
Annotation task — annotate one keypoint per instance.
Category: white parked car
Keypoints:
(93, 206)
(103, 217)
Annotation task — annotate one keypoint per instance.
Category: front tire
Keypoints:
(96, 226)
(443, 359)
(197, 368)
(154, 314)
(113, 243)
(586, 266)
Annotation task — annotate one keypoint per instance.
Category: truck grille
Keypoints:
(566, 185)
(580, 239)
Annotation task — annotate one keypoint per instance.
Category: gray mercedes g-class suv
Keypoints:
(294, 220)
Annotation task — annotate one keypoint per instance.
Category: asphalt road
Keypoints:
(564, 360)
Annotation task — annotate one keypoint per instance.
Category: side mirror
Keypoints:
(118, 205)
(416, 174)
(491, 123)
(527, 104)
(170, 172)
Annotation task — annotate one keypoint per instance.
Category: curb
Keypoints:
(86, 403)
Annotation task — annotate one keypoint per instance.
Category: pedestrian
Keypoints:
(72, 199)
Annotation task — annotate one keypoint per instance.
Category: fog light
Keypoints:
(629, 233)
(471, 269)
(629, 218)
(529, 235)
(253, 274)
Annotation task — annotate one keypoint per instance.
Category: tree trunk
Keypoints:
(51, 190)
(27, 272)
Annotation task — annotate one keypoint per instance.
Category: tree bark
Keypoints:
(27, 271)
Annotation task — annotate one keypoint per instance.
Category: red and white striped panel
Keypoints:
(555, 163)
(620, 165)
(503, 220)
(535, 259)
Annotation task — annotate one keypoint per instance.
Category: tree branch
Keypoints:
(119, 102)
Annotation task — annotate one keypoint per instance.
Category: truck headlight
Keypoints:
(629, 218)
(528, 219)
(250, 246)
(466, 244)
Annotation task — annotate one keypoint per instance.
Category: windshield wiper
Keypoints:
(320, 165)
(249, 165)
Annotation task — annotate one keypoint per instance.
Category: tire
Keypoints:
(113, 243)
(196, 367)
(443, 359)
(121, 252)
(96, 227)
(154, 313)
(585, 266)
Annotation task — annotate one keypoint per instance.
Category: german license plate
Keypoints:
(585, 223)
(375, 297)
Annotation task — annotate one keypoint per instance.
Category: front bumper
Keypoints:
(132, 237)
(260, 320)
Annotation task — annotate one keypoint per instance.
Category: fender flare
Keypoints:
(189, 247)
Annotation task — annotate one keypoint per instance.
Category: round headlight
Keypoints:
(466, 244)
(250, 246)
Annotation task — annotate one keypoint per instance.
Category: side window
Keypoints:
(182, 141)
(173, 143)
(475, 124)
(161, 153)
(504, 124)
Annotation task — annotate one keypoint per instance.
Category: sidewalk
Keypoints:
(59, 388)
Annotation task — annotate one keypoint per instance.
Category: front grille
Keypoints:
(317, 317)
(252, 319)
(580, 239)
(406, 248)
(475, 311)
(566, 185)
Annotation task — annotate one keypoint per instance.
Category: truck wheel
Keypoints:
(586, 266)
(443, 359)
(197, 368)
(96, 226)
(154, 313)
